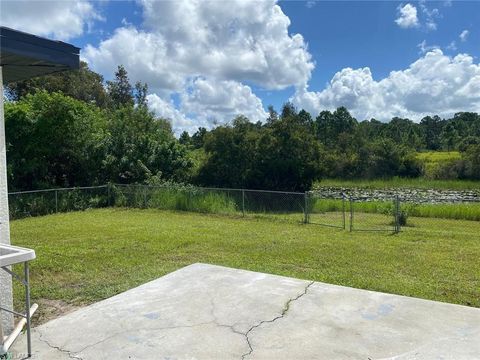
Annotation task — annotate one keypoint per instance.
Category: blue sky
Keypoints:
(249, 56)
(363, 34)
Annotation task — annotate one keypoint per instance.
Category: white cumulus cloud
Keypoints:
(166, 109)
(231, 40)
(464, 35)
(207, 103)
(407, 16)
(434, 84)
(430, 14)
(216, 101)
(62, 20)
(424, 47)
(184, 46)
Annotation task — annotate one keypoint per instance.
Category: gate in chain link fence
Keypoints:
(353, 213)
(381, 214)
(327, 209)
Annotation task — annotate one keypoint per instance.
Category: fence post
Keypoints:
(145, 197)
(343, 211)
(243, 202)
(108, 195)
(56, 201)
(305, 211)
(397, 214)
(351, 214)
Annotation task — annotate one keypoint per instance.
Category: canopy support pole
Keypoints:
(6, 319)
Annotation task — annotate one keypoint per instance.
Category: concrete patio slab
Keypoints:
(212, 312)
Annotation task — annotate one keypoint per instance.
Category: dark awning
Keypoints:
(23, 56)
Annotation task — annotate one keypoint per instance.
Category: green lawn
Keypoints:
(87, 256)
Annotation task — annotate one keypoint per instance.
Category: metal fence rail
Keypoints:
(49, 201)
(351, 212)
(238, 202)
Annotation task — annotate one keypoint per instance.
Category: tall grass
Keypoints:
(457, 211)
(180, 198)
(196, 201)
(438, 156)
(396, 182)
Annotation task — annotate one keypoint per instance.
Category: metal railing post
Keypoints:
(305, 220)
(351, 214)
(343, 212)
(144, 197)
(397, 214)
(56, 201)
(243, 202)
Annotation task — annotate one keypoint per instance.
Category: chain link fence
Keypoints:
(367, 214)
(387, 212)
(327, 209)
(49, 201)
(286, 206)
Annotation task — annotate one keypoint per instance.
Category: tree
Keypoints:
(343, 122)
(282, 155)
(467, 142)
(184, 138)
(449, 137)
(231, 154)
(54, 140)
(432, 128)
(198, 139)
(332, 127)
(305, 118)
(141, 90)
(472, 159)
(272, 115)
(287, 157)
(288, 110)
(384, 159)
(82, 84)
(141, 146)
(120, 90)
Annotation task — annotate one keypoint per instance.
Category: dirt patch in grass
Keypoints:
(52, 309)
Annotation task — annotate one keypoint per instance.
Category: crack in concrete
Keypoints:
(70, 354)
(218, 323)
(98, 342)
(246, 335)
(282, 314)
(73, 354)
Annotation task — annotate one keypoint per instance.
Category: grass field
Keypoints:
(438, 156)
(87, 256)
(431, 160)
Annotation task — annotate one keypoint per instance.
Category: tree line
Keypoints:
(74, 129)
